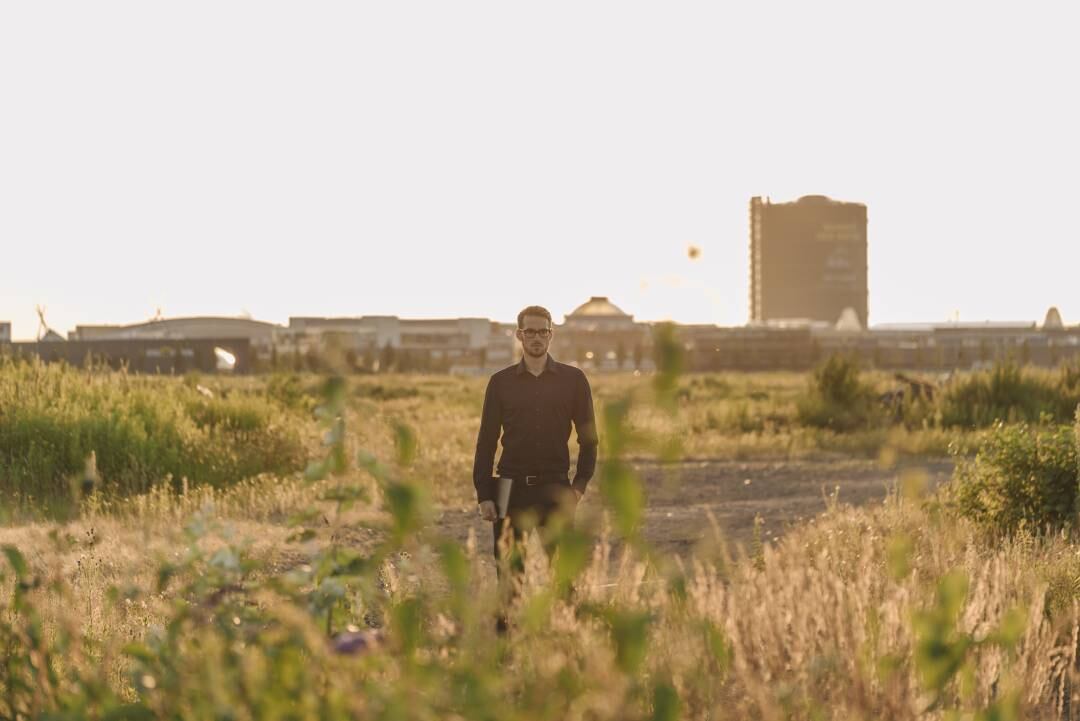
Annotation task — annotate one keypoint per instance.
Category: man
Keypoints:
(533, 404)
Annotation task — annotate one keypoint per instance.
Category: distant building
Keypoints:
(913, 346)
(455, 345)
(142, 355)
(253, 339)
(807, 260)
(599, 335)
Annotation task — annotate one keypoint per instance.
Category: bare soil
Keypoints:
(681, 496)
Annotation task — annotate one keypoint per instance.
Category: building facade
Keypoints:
(808, 260)
(598, 335)
(142, 355)
(255, 337)
(381, 343)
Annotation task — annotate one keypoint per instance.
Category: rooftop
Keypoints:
(598, 305)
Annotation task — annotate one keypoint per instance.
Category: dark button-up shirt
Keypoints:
(534, 414)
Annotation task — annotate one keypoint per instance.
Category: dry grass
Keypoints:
(815, 626)
(822, 624)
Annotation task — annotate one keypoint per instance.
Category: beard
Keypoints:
(534, 350)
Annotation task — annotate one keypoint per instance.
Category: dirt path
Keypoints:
(782, 492)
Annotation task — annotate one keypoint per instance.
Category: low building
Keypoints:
(456, 345)
(260, 335)
(143, 355)
(598, 335)
(925, 346)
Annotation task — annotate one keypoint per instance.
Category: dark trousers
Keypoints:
(542, 507)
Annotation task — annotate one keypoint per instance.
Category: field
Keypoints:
(752, 546)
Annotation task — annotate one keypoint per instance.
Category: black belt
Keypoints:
(536, 479)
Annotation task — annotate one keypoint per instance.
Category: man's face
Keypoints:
(532, 336)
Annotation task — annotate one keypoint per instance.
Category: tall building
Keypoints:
(807, 260)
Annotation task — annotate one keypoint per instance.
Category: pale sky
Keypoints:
(440, 159)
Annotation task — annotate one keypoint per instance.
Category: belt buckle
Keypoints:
(532, 480)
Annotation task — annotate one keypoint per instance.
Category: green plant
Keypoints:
(1022, 477)
(140, 430)
(1010, 393)
(838, 398)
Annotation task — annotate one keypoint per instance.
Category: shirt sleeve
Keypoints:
(585, 424)
(487, 442)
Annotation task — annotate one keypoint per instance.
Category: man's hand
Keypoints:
(487, 511)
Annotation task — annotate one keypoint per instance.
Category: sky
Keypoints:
(444, 159)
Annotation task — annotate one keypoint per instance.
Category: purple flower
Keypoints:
(354, 643)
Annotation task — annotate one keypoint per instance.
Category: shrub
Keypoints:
(1012, 394)
(288, 389)
(838, 398)
(52, 418)
(387, 392)
(1021, 477)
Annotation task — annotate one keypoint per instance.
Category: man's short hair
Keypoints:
(533, 310)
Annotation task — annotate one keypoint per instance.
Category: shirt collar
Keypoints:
(549, 365)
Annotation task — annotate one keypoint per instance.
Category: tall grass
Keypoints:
(838, 398)
(1012, 394)
(334, 598)
(139, 431)
(825, 626)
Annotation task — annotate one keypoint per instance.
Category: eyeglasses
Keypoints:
(532, 332)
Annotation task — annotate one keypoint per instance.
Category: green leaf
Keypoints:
(718, 646)
(367, 461)
(404, 501)
(574, 547)
(666, 706)
(165, 573)
(1011, 629)
(939, 649)
(898, 555)
(345, 494)
(316, 471)
(139, 652)
(302, 536)
(629, 632)
(536, 614)
(408, 624)
(405, 442)
(668, 351)
(18, 563)
(622, 490)
(455, 566)
(129, 712)
(333, 390)
(304, 517)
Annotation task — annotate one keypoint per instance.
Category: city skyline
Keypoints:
(471, 160)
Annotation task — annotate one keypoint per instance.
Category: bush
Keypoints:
(839, 399)
(387, 392)
(288, 390)
(1012, 394)
(140, 430)
(1021, 477)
